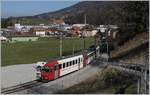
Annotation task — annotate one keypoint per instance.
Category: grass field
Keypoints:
(43, 49)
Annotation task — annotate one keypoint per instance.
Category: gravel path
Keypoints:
(16, 74)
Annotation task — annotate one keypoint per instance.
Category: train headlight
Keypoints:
(38, 74)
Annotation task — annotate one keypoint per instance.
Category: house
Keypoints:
(3, 39)
(94, 32)
(79, 25)
(75, 32)
(42, 32)
(108, 30)
(21, 36)
(87, 33)
(65, 27)
(26, 28)
(17, 27)
(59, 21)
(39, 31)
(109, 34)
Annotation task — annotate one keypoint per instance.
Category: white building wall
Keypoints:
(40, 33)
(3, 38)
(18, 27)
(94, 32)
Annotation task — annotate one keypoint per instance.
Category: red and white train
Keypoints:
(56, 68)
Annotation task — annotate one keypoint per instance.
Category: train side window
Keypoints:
(60, 66)
(70, 63)
(79, 60)
(63, 65)
(76, 61)
(73, 62)
(67, 64)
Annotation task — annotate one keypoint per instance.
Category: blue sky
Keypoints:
(29, 8)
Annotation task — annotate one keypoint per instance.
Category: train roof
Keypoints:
(68, 56)
(89, 50)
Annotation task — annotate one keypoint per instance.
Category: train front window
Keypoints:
(38, 68)
(47, 69)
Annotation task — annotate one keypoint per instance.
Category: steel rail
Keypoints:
(20, 87)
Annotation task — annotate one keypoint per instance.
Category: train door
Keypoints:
(85, 60)
(56, 71)
(79, 61)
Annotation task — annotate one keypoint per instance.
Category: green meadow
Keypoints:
(43, 49)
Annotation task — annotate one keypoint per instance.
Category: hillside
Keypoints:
(135, 50)
(77, 9)
(98, 12)
(106, 81)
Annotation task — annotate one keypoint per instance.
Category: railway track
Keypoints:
(20, 87)
(34, 83)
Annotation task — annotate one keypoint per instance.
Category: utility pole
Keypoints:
(95, 40)
(107, 42)
(60, 41)
(83, 42)
(73, 47)
(82, 33)
(85, 19)
(107, 50)
(95, 45)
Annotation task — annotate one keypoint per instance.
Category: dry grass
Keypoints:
(135, 42)
(107, 81)
(140, 57)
